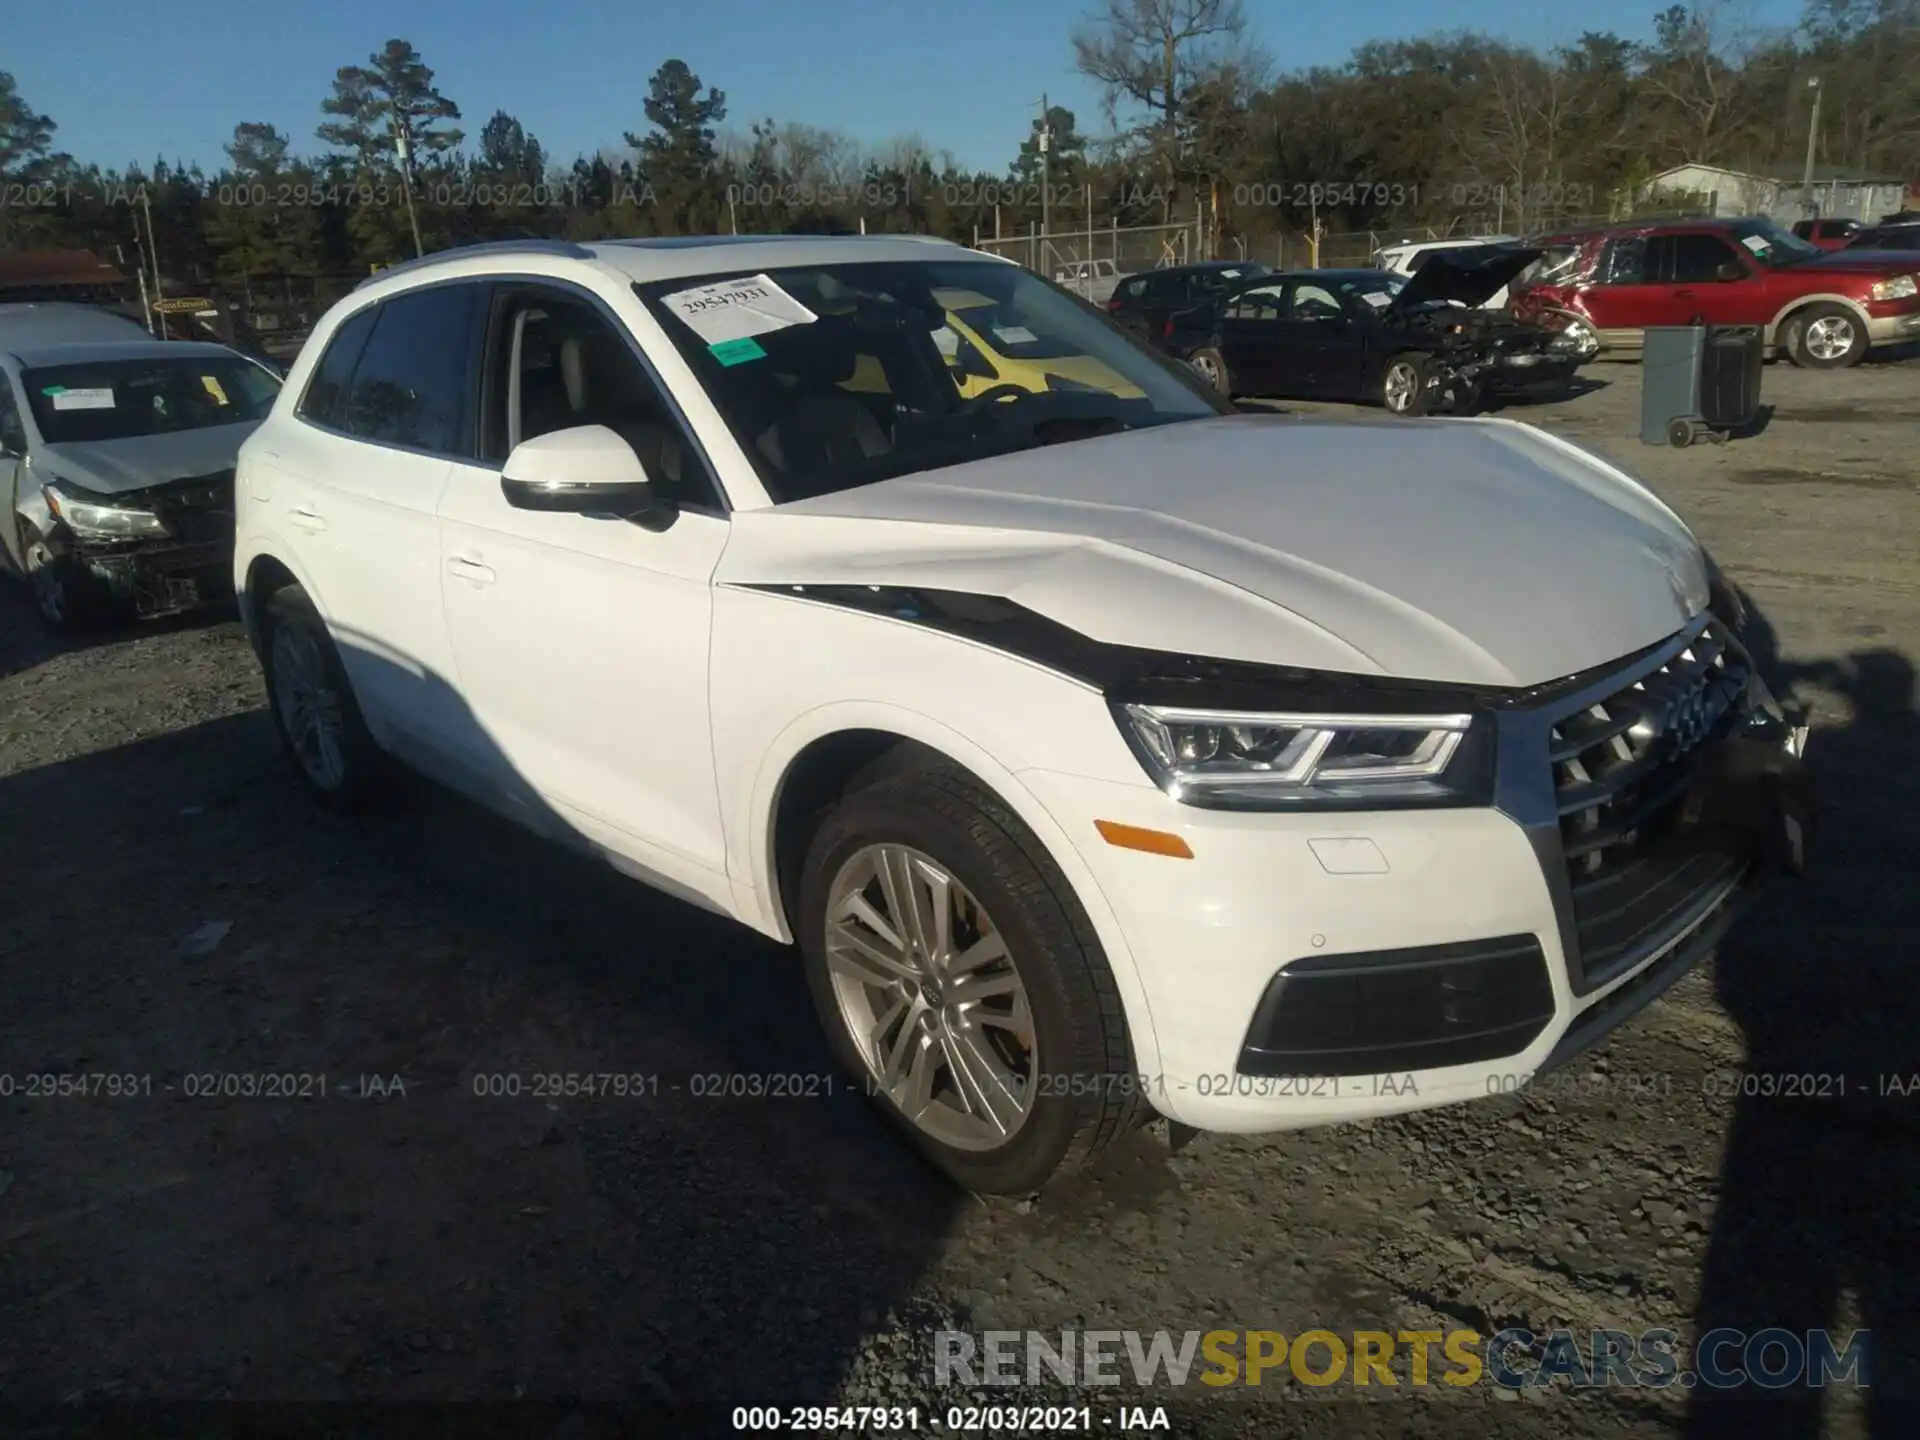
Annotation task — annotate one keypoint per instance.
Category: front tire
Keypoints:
(1826, 337)
(314, 710)
(959, 979)
(68, 600)
(1403, 385)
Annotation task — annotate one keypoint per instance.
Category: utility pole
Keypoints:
(1046, 145)
(1813, 136)
(152, 248)
(405, 158)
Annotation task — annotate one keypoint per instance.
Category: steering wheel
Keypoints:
(994, 394)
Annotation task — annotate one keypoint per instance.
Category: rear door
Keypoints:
(353, 491)
(1628, 293)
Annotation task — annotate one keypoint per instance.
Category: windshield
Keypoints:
(1771, 245)
(124, 399)
(1374, 291)
(835, 376)
(991, 328)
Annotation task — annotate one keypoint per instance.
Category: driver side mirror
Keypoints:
(1730, 270)
(587, 470)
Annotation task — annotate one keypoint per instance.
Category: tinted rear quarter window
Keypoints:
(413, 385)
(326, 395)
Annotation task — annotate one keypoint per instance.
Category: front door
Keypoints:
(581, 642)
(1322, 345)
(1711, 280)
(1250, 340)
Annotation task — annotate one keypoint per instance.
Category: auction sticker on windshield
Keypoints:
(737, 309)
(92, 399)
(1758, 244)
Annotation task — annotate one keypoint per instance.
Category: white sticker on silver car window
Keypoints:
(97, 399)
(736, 309)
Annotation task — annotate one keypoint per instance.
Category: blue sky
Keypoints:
(128, 81)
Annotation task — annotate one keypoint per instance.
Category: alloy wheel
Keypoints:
(1829, 337)
(1209, 369)
(1400, 384)
(310, 709)
(931, 997)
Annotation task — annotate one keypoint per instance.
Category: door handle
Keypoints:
(1683, 294)
(306, 519)
(471, 571)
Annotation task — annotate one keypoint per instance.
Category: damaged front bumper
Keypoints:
(187, 565)
(155, 577)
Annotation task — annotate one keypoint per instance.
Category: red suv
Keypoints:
(1820, 308)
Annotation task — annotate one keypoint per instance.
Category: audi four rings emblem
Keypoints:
(1690, 718)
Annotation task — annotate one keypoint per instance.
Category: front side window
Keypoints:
(834, 376)
(1314, 303)
(559, 363)
(413, 384)
(1697, 259)
(127, 399)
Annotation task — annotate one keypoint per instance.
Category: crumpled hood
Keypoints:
(1482, 552)
(112, 467)
(1471, 276)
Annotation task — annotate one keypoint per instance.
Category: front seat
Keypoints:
(825, 427)
(657, 446)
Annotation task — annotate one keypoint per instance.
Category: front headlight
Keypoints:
(1284, 761)
(96, 516)
(1898, 288)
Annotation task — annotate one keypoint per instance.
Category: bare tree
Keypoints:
(1151, 55)
(1695, 70)
(1529, 117)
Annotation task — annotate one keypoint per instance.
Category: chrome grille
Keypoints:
(1620, 763)
(1621, 766)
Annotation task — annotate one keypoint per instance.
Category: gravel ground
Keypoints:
(175, 910)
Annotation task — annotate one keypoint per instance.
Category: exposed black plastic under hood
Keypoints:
(1471, 275)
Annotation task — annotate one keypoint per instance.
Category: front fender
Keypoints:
(1800, 302)
(763, 908)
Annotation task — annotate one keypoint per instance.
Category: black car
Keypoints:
(1146, 301)
(1892, 233)
(1415, 345)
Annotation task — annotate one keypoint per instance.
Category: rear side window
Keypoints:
(326, 395)
(1134, 290)
(414, 383)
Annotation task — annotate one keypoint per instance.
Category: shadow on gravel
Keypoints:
(1819, 1178)
(26, 645)
(480, 1229)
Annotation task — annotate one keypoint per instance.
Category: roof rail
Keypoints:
(564, 248)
